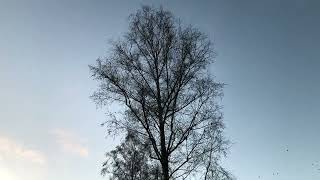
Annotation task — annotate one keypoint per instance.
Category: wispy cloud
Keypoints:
(6, 173)
(12, 150)
(70, 142)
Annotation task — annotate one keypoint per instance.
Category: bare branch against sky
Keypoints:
(267, 54)
(159, 74)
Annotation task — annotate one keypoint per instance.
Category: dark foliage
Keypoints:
(130, 161)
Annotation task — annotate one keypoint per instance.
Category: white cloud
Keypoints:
(20, 162)
(7, 174)
(70, 142)
(13, 151)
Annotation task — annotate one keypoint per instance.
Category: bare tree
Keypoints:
(158, 72)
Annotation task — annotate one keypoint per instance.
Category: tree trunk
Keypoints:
(164, 154)
(165, 169)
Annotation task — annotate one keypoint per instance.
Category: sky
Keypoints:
(268, 54)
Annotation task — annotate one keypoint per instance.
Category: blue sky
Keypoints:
(268, 54)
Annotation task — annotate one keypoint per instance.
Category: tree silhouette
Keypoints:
(130, 161)
(158, 73)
